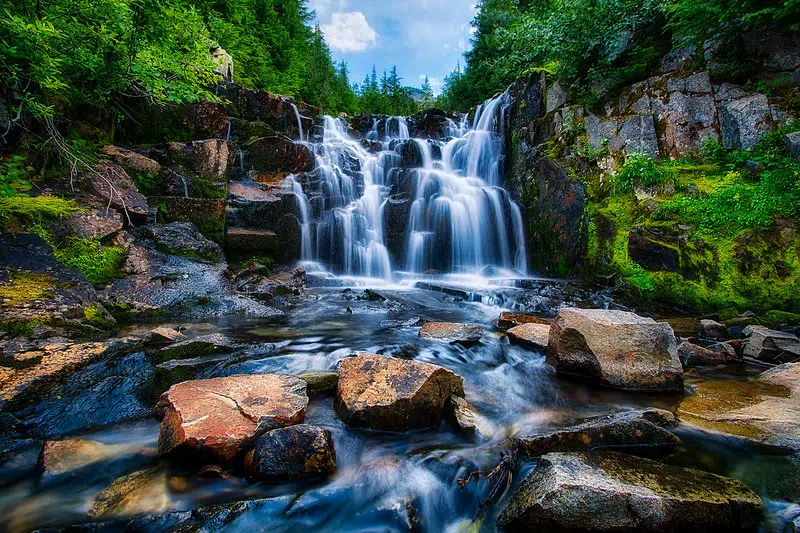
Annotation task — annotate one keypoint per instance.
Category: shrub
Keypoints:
(641, 170)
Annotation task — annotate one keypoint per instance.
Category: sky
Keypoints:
(421, 37)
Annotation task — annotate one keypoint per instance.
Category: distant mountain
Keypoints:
(415, 93)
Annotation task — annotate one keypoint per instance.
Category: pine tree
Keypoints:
(427, 94)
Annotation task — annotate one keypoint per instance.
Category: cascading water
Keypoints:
(445, 196)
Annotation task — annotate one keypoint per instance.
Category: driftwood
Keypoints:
(503, 473)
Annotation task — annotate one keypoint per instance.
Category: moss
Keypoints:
(100, 264)
(26, 287)
(19, 328)
(22, 211)
(97, 317)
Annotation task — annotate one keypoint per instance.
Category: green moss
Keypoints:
(20, 211)
(19, 328)
(781, 318)
(96, 317)
(100, 264)
(26, 287)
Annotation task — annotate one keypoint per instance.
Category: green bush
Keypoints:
(14, 176)
(100, 264)
(642, 170)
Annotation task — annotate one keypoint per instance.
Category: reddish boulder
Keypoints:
(220, 417)
(509, 320)
(530, 335)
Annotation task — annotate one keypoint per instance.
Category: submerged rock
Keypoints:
(616, 348)
(508, 320)
(694, 355)
(451, 333)
(465, 418)
(393, 394)
(145, 491)
(769, 345)
(608, 491)
(766, 409)
(530, 335)
(320, 381)
(70, 455)
(219, 417)
(215, 343)
(294, 452)
(628, 429)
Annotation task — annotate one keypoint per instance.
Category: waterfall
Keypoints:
(364, 214)
(299, 122)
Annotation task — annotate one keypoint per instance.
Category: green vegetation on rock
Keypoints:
(98, 262)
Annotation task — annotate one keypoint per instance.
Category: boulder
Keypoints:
(628, 429)
(290, 453)
(277, 157)
(221, 417)
(451, 333)
(141, 492)
(393, 394)
(557, 96)
(253, 241)
(96, 224)
(710, 329)
(608, 491)
(207, 214)
(765, 409)
(116, 188)
(183, 238)
(530, 335)
(165, 335)
(214, 343)
(792, 142)
(134, 163)
(319, 381)
(694, 355)
(508, 320)
(223, 62)
(615, 348)
(770, 345)
(745, 121)
(61, 457)
(464, 418)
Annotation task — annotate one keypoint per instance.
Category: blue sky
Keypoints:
(421, 37)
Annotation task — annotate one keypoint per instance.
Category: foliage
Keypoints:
(100, 264)
(14, 176)
(642, 170)
(386, 96)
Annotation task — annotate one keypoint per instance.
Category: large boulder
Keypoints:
(393, 394)
(37, 291)
(770, 345)
(694, 355)
(212, 344)
(615, 348)
(765, 410)
(294, 452)
(607, 491)
(629, 429)
(509, 319)
(220, 417)
(451, 332)
(276, 157)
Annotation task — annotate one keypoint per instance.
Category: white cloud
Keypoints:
(325, 7)
(349, 32)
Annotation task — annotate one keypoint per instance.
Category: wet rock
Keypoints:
(710, 329)
(207, 214)
(294, 452)
(607, 491)
(183, 238)
(766, 409)
(176, 371)
(461, 415)
(145, 491)
(629, 429)
(37, 290)
(116, 188)
(61, 457)
(694, 355)
(770, 345)
(215, 343)
(319, 382)
(745, 121)
(251, 241)
(451, 333)
(530, 335)
(508, 320)
(616, 348)
(684, 327)
(277, 157)
(393, 394)
(220, 417)
(792, 142)
(165, 335)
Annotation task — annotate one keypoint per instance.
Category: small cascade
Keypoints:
(363, 214)
(299, 122)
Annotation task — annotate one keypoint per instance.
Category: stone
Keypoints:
(557, 96)
(451, 333)
(628, 429)
(252, 240)
(294, 452)
(530, 335)
(320, 382)
(207, 214)
(463, 417)
(116, 188)
(174, 371)
(508, 320)
(212, 344)
(615, 348)
(393, 394)
(165, 335)
(223, 62)
(220, 417)
(608, 491)
(183, 238)
(765, 409)
(142, 492)
(694, 355)
(37, 290)
(684, 327)
(134, 163)
(636, 136)
(770, 345)
(745, 121)
(96, 224)
(710, 329)
(277, 157)
(792, 142)
(209, 160)
(649, 253)
(61, 457)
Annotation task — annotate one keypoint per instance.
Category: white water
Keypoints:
(459, 218)
(299, 122)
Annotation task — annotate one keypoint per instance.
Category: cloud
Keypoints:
(349, 32)
(436, 83)
(324, 7)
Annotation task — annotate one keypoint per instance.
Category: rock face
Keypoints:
(607, 491)
(219, 417)
(508, 320)
(616, 348)
(770, 345)
(745, 121)
(393, 394)
(182, 238)
(294, 452)
(116, 188)
(766, 409)
(451, 333)
(629, 429)
(530, 335)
